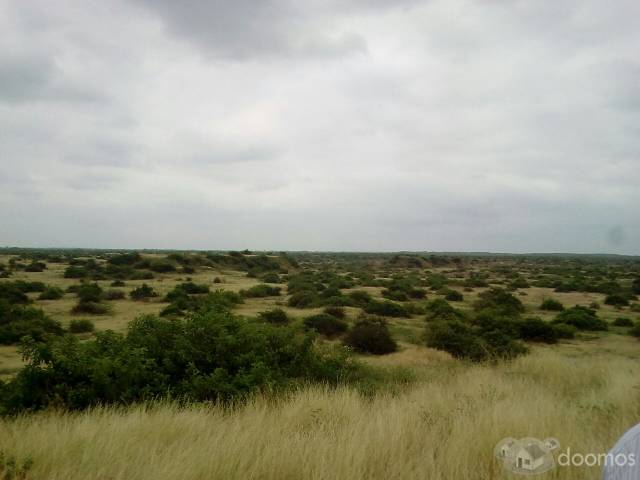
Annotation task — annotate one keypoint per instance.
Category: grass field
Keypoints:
(442, 426)
(433, 418)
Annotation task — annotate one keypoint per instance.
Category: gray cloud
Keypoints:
(357, 125)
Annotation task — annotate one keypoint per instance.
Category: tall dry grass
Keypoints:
(442, 427)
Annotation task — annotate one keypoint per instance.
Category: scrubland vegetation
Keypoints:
(144, 365)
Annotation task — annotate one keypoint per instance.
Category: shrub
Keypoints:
(207, 356)
(454, 296)
(303, 299)
(217, 280)
(193, 288)
(623, 322)
(386, 308)
(457, 338)
(564, 331)
(616, 300)
(261, 290)
(51, 293)
(92, 308)
(439, 309)
(371, 335)
(271, 278)
(17, 321)
(143, 292)
(275, 316)
(635, 330)
(582, 318)
(551, 304)
(118, 283)
(500, 301)
(537, 330)
(89, 292)
(326, 324)
(360, 298)
(335, 311)
(81, 326)
(113, 295)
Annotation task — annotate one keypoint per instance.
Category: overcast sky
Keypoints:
(497, 125)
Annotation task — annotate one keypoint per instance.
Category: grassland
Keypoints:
(435, 417)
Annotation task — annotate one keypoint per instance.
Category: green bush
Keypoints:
(261, 290)
(113, 295)
(206, 356)
(275, 316)
(550, 304)
(271, 278)
(143, 292)
(499, 301)
(439, 309)
(623, 322)
(635, 330)
(81, 326)
(91, 308)
(564, 331)
(386, 308)
(89, 292)
(537, 330)
(454, 296)
(304, 299)
(51, 293)
(582, 318)
(326, 324)
(359, 298)
(371, 335)
(335, 311)
(616, 300)
(457, 338)
(17, 321)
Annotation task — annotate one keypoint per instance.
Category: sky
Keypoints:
(348, 125)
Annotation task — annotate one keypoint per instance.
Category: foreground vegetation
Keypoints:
(243, 365)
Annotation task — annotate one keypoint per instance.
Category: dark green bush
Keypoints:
(616, 300)
(113, 295)
(535, 329)
(386, 308)
(499, 301)
(623, 322)
(454, 296)
(89, 292)
(582, 318)
(81, 326)
(275, 316)
(371, 335)
(635, 330)
(118, 283)
(335, 311)
(271, 278)
(457, 338)
(360, 298)
(439, 309)
(261, 290)
(143, 292)
(564, 331)
(91, 308)
(17, 321)
(326, 324)
(206, 356)
(552, 305)
(51, 293)
(304, 299)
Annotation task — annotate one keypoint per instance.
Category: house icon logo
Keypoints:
(527, 456)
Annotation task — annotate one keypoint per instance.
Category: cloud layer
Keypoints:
(324, 125)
